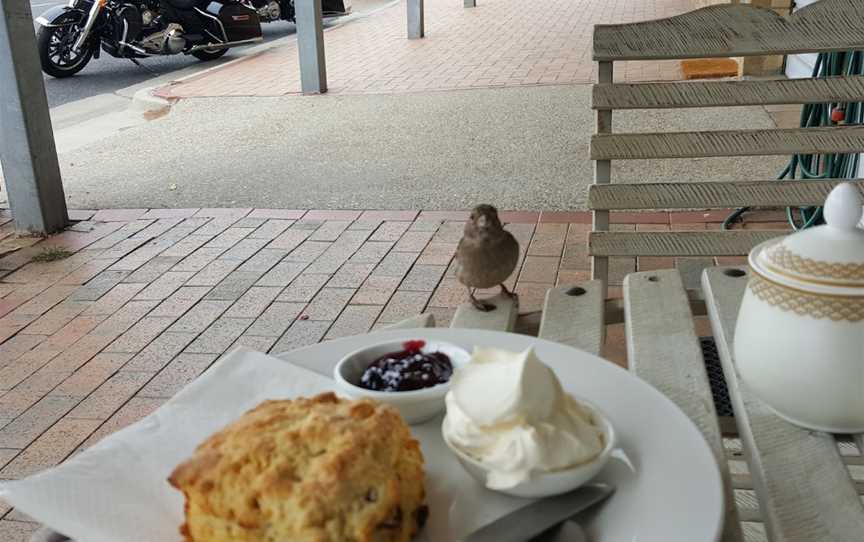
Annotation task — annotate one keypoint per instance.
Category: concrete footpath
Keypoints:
(519, 148)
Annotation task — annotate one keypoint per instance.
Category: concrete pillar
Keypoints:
(310, 44)
(470, 3)
(27, 151)
(770, 64)
(415, 19)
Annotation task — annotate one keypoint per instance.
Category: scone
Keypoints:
(322, 469)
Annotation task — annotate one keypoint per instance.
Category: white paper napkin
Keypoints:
(117, 490)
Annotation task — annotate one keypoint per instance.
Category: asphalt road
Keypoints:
(108, 74)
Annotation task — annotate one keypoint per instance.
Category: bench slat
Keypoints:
(602, 175)
(502, 318)
(805, 491)
(691, 269)
(684, 243)
(573, 315)
(735, 30)
(712, 195)
(829, 139)
(728, 93)
(662, 349)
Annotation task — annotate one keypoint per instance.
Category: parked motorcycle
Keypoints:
(283, 10)
(70, 35)
(272, 10)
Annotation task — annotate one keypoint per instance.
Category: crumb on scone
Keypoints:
(318, 469)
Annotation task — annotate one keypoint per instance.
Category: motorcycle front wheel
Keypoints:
(209, 54)
(55, 49)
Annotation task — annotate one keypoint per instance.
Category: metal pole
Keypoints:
(415, 19)
(27, 151)
(470, 3)
(310, 43)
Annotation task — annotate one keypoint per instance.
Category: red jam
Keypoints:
(408, 369)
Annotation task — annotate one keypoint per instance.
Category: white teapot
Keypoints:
(799, 339)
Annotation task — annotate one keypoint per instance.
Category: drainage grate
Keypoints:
(715, 377)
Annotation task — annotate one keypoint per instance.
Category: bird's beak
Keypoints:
(482, 221)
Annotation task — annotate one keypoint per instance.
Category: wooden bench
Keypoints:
(714, 31)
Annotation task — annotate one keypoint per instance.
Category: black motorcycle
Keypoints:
(272, 10)
(283, 10)
(70, 35)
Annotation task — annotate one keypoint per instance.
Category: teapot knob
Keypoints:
(843, 207)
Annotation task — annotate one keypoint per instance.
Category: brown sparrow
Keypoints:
(486, 255)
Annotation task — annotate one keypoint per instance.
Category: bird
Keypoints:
(486, 255)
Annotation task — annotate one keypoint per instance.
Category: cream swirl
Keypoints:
(508, 410)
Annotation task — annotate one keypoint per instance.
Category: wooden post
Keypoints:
(415, 19)
(27, 150)
(310, 44)
(602, 175)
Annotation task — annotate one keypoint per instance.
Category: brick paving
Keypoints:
(148, 299)
(500, 43)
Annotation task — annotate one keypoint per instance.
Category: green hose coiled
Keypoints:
(821, 166)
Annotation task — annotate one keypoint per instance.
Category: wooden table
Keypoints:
(796, 485)
(803, 478)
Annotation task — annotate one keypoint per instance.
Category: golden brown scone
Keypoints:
(322, 469)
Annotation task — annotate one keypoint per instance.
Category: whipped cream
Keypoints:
(508, 410)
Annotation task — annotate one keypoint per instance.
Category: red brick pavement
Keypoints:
(500, 43)
(148, 299)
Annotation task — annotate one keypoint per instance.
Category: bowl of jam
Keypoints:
(413, 376)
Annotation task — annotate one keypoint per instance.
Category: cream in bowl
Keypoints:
(515, 429)
(413, 376)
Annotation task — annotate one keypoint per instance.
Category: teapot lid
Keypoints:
(825, 259)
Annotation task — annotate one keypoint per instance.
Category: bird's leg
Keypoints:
(507, 292)
(479, 305)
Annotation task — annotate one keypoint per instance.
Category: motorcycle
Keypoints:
(69, 36)
(283, 10)
(270, 11)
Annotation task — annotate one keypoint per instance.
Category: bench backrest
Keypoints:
(715, 31)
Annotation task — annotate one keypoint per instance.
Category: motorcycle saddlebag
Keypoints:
(240, 22)
(335, 7)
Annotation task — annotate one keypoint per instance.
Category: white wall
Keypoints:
(798, 66)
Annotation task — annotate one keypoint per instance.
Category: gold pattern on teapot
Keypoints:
(838, 309)
(786, 260)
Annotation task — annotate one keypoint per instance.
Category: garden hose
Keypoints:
(821, 166)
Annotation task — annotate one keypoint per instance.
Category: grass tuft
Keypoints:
(52, 254)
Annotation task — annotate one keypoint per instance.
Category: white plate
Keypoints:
(668, 485)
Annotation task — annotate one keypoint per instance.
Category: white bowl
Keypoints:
(415, 406)
(547, 483)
